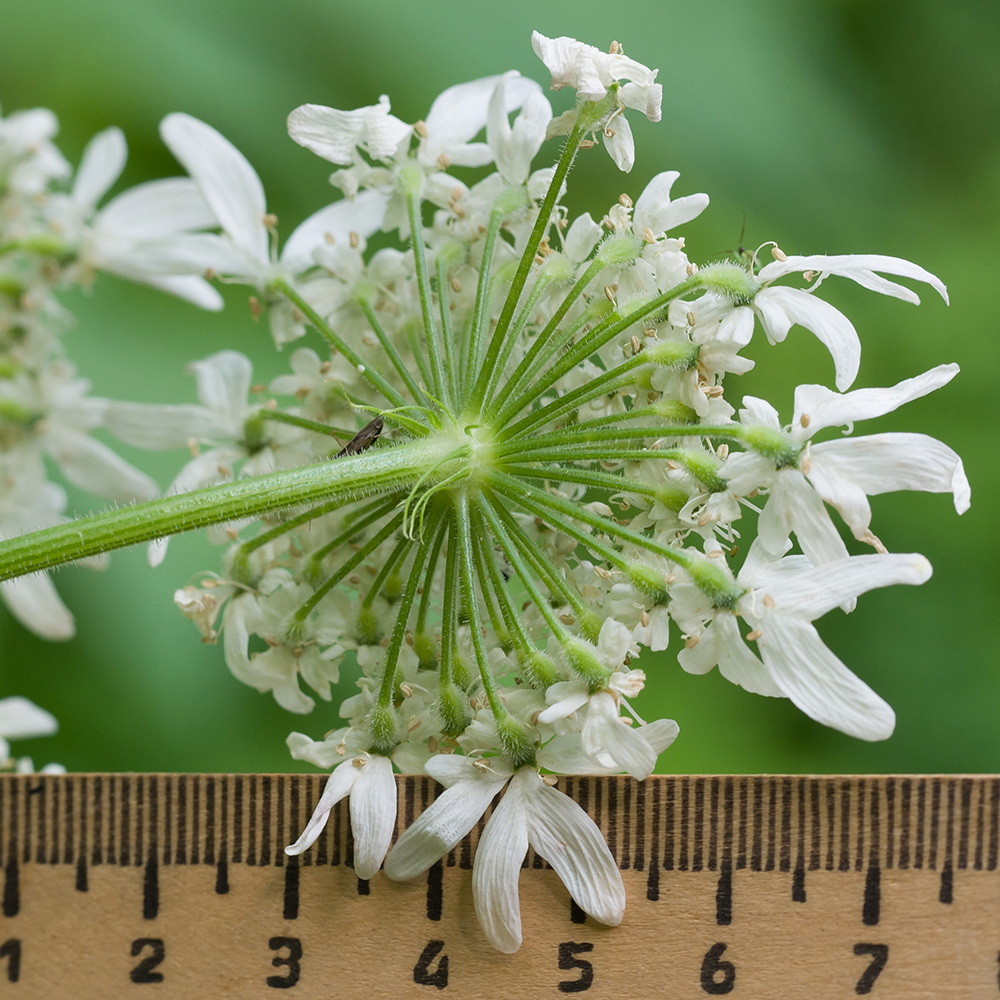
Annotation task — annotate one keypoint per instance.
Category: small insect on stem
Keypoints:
(363, 440)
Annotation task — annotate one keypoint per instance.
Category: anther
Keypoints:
(754, 635)
(256, 309)
(232, 534)
(270, 220)
(644, 619)
(778, 254)
(443, 162)
(456, 285)
(407, 690)
(298, 315)
(609, 292)
(420, 128)
(648, 235)
(691, 641)
(805, 420)
(615, 49)
(624, 200)
(692, 320)
(768, 601)
(328, 239)
(808, 275)
(706, 516)
(691, 269)
(360, 761)
(325, 367)
(722, 451)
(636, 345)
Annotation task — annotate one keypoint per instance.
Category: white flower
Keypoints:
(592, 74)
(367, 779)
(782, 600)
(336, 135)
(530, 813)
(514, 148)
(29, 160)
(843, 472)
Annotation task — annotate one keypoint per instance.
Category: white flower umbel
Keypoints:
(531, 812)
(507, 462)
(367, 779)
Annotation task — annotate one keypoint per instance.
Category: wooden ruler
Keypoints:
(176, 886)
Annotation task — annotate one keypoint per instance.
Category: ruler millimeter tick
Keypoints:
(177, 886)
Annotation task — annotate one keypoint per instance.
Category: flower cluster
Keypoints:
(531, 471)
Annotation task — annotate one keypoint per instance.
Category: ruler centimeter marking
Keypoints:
(741, 842)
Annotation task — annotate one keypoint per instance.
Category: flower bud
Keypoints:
(382, 726)
(453, 706)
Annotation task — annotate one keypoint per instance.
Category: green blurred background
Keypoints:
(835, 127)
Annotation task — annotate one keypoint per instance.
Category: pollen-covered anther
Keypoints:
(360, 761)
(805, 420)
(298, 315)
(644, 619)
(805, 463)
(456, 285)
(692, 320)
(329, 239)
(715, 554)
(567, 619)
(232, 534)
(649, 332)
(691, 641)
(256, 309)
(706, 516)
(808, 275)
(257, 388)
(778, 254)
(325, 367)
(413, 725)
(624, 200)
(341, 749)
(754, 635)
(714, 391)
(691, 269)
(615, 49)
(587, 144)
(722, 451)
(406, 690)
(355, 240)
(636, 344)
(610, 291)
(420, 128)
(768, 601)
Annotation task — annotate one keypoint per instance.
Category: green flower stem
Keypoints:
(525, 368)
(480, 313)
(397, 555)
(523, 571)
(449, 390)
(608, 382)
(593, 341)
(373, 377)
(515, 332)
(397, 362)
(303, 612)
(340, 433)
(381, 470)
(584, 477)
(512, 620)
(549, 574)
(425, 597)
(449, 609)
(592, 453)
(424, 289)
(364, 517)
(578, 434)
(471, 606)
(497, 619)
(545, 504)
(387, 690)
(528, 256)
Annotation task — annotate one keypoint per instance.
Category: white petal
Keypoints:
(230, 185)
(581, 238)
(363, 215)
(102, 164)
(655, 211)
(854, 266)
(184, 254)
(812, 593)
(94, 467)
(197, 291)
(34, 602)
(338, 785)
(619, 142)
(496, 869)
(831, 326)
(321, 753)
(159, 425)
(565, 836)
(604, 732)
(157, 209)
(22, 719)
(224, 381)
(737, 662)
(884, 463)
(826, 408)
(819, 684)
(793, 505)
(373, 814)
(443, 823)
